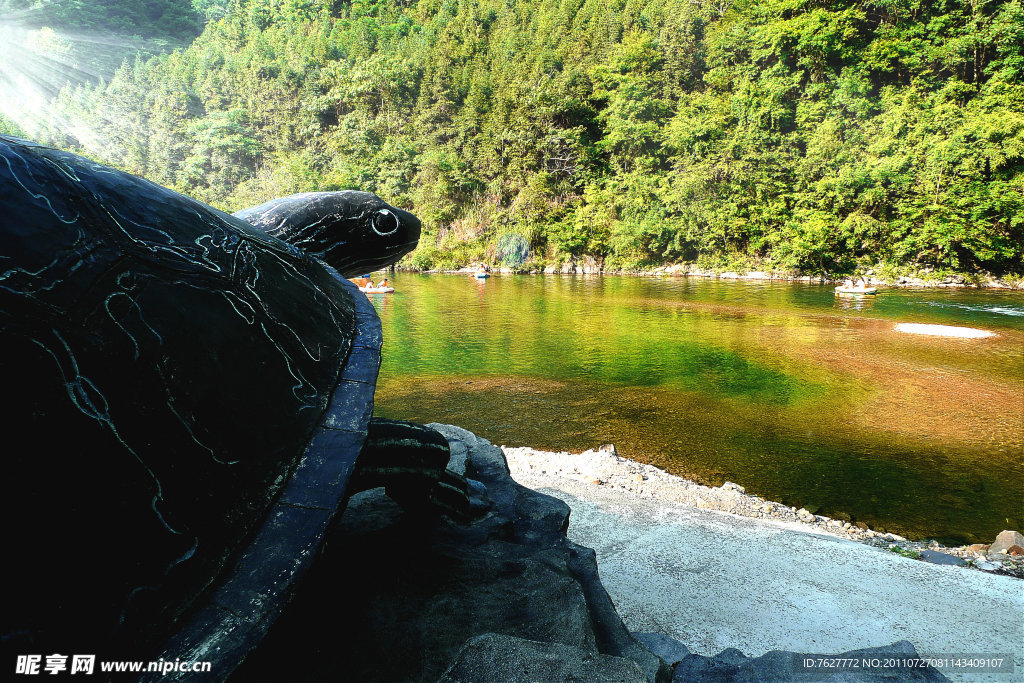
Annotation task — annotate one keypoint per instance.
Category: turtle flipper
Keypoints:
(409, 460)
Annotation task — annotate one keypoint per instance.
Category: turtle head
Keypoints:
(355, 232)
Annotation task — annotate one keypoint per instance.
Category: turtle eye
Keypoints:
(384, 222)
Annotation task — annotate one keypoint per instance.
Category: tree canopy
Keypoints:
(176, 19)
(820, 136)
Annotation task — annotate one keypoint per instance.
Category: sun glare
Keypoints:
(36, 63)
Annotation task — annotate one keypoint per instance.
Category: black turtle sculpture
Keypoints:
(186, 399)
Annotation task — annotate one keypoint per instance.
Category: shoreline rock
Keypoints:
(604, 467)
(690, 270)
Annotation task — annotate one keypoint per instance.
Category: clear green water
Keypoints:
(796, 394)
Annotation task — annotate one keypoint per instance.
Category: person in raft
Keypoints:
(382, 284)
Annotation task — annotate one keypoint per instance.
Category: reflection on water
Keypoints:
(783, 388)
(854, 302)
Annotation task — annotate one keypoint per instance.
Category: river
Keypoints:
(800, 396)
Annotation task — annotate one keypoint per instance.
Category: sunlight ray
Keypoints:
(36, 64)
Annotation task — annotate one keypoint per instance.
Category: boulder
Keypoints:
(669, 649)
(937, 557)
(1004, 541)
(592, 265)
(496, 657)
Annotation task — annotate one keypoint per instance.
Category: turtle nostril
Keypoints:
(384, 222)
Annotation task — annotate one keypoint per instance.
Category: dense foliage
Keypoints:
(807, 135)
(147, 18)
(46, 45)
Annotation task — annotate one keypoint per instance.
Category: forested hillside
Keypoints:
(47, 45)
(804, 135)
(176, 19)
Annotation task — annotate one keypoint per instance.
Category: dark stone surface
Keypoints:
(494, 657)
(936, 557)
(669, 649)
(732, 666)
(173, 380)
(395, 599)
(410, 461)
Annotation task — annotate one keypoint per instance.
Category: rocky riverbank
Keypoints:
(926, 280)
(603, 467)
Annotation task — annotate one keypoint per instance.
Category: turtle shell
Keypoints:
(186, 399)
